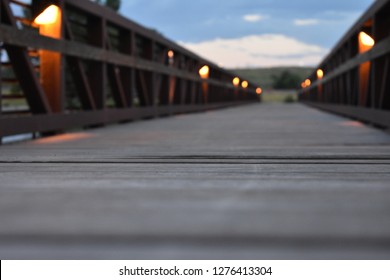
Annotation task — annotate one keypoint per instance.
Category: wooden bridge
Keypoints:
(252, 180)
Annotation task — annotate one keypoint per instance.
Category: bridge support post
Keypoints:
(51, 64)
(98, 70)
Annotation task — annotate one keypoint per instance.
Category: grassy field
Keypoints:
(263, 76)
(279, 96)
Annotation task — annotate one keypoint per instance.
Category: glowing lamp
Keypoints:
(259, 91)
(236, 81)
(307, 83)
(303, 85)
(51, 63)
(366, 40)
(48, 16)
(320, 74)
(171, 54)
(244, 84)
(204, 72)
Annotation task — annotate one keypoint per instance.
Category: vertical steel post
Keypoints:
(126, 72)
(97, 69)
(51, 64)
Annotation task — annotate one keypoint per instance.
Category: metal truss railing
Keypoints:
(85, 65)
(354, 79)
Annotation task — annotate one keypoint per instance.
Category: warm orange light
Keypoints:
(48, 16)
(204, 72)
(63, 138)
(236, 81)
(244, 84)
(259, 91)
(366, 39)
(171, 54)
(307, 82)
(303, 85)
(320, 74)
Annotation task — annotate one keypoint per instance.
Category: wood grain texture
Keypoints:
(258, 181)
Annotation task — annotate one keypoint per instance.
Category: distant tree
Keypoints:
(286, 80)
(113, 4)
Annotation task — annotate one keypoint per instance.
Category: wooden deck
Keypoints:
(259, 181)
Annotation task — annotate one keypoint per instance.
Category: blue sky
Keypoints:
(251, 33)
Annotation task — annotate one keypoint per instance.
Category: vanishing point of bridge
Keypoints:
(254, 181)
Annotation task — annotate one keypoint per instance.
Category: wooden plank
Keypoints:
(280, 181)
(304, 193)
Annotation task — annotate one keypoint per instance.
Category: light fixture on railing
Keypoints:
(204, 72)
(236, 81)
(245, 84)
(366, 43)
(171, 56)
(259, 91)
(320, 74)
(366, 40)
(307, 83)
(48, 16)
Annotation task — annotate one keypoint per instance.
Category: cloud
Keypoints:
(306, 22)
(258, 51)
(254, 17)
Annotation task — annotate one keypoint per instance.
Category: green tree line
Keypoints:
(286, 80)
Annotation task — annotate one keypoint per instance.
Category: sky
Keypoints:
(250, 33)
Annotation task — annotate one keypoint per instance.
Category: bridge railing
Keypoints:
(79, 64)
(354, 79)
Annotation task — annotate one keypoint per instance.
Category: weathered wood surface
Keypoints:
(260, 181)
